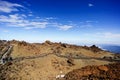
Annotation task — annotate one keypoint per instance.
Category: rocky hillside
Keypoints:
(22, 49)
(103, 72)
(48, 60)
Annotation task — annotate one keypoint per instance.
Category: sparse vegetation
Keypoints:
(45, 61)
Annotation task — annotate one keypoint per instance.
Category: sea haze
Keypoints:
(111, 48)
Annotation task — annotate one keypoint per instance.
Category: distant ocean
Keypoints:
(107, 47)
(111, 48)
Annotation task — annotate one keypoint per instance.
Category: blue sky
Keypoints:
(71, 21)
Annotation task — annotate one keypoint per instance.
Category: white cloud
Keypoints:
(111, 35)
(86, 26)
(50, 18)
(104, 35)
(89, 21)
(30, 14)
(8, 7)
(11, 18)
(6, 31)
(23, 21)
(65, 27)
(36, 25)
(90, 5)
(17, 20)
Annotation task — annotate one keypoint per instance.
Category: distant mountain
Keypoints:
(111, 48)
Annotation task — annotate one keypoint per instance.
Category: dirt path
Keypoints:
(63, 56)
(6, 54)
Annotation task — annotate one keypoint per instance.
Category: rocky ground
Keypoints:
(57, 59)
(23, 49)
(103, 72)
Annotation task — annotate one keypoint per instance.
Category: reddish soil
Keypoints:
(103, 72)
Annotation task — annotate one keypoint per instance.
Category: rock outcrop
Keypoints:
(103, 72)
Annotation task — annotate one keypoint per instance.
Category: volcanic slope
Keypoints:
(45, 61)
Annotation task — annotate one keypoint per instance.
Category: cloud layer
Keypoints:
(25, 21)
(65, 27)
(90, 5)
(9, 7)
